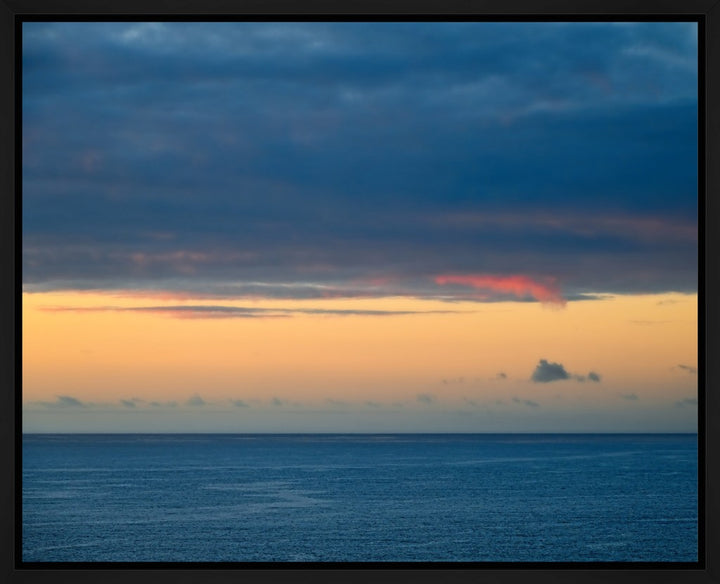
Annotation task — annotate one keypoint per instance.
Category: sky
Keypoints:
(359, 227)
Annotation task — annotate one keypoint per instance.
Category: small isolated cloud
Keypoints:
(688, 369)
(425, 398)
(526, 402)
(629, 396)
(688, 401)
(546, 372)
(195, 400)
(239, 403)
(501, 375)
(127, 403)
(277, 401)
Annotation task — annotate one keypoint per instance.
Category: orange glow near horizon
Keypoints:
(105, 351)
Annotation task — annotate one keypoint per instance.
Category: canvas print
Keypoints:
(359, 292)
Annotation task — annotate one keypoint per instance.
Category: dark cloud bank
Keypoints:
(359, 159)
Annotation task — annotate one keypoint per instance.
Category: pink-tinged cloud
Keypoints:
(546, 292)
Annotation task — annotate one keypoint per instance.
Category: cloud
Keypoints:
(435, 109)
(128, 403)
(629, 396)
(520, 286)
(196, 400)
(240, 403)
(335, 402)
(689, 369)
(526, 402)
(546, 372)
(204, 311)
(690, 401)
(278, 402)
(591, 376)
(453, 380)
(426, 398)
(501, 375)
(64, 401)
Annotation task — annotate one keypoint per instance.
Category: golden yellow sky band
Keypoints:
(635, 343)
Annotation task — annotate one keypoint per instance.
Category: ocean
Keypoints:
(359, 498)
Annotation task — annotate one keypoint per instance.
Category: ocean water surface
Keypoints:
(359, 498)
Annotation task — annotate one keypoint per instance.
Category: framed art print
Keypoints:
(303, 289)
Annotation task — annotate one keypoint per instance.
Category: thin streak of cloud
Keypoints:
(203, 311)
(526, 402)
(65, 401)
(647, 229)
(426, 398)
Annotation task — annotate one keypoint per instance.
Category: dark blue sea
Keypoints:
(360, 498)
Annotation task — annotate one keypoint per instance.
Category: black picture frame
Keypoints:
(707, 13)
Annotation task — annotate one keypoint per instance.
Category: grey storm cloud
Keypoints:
(231, 159)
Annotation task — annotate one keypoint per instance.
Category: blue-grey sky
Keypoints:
(256, 156)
